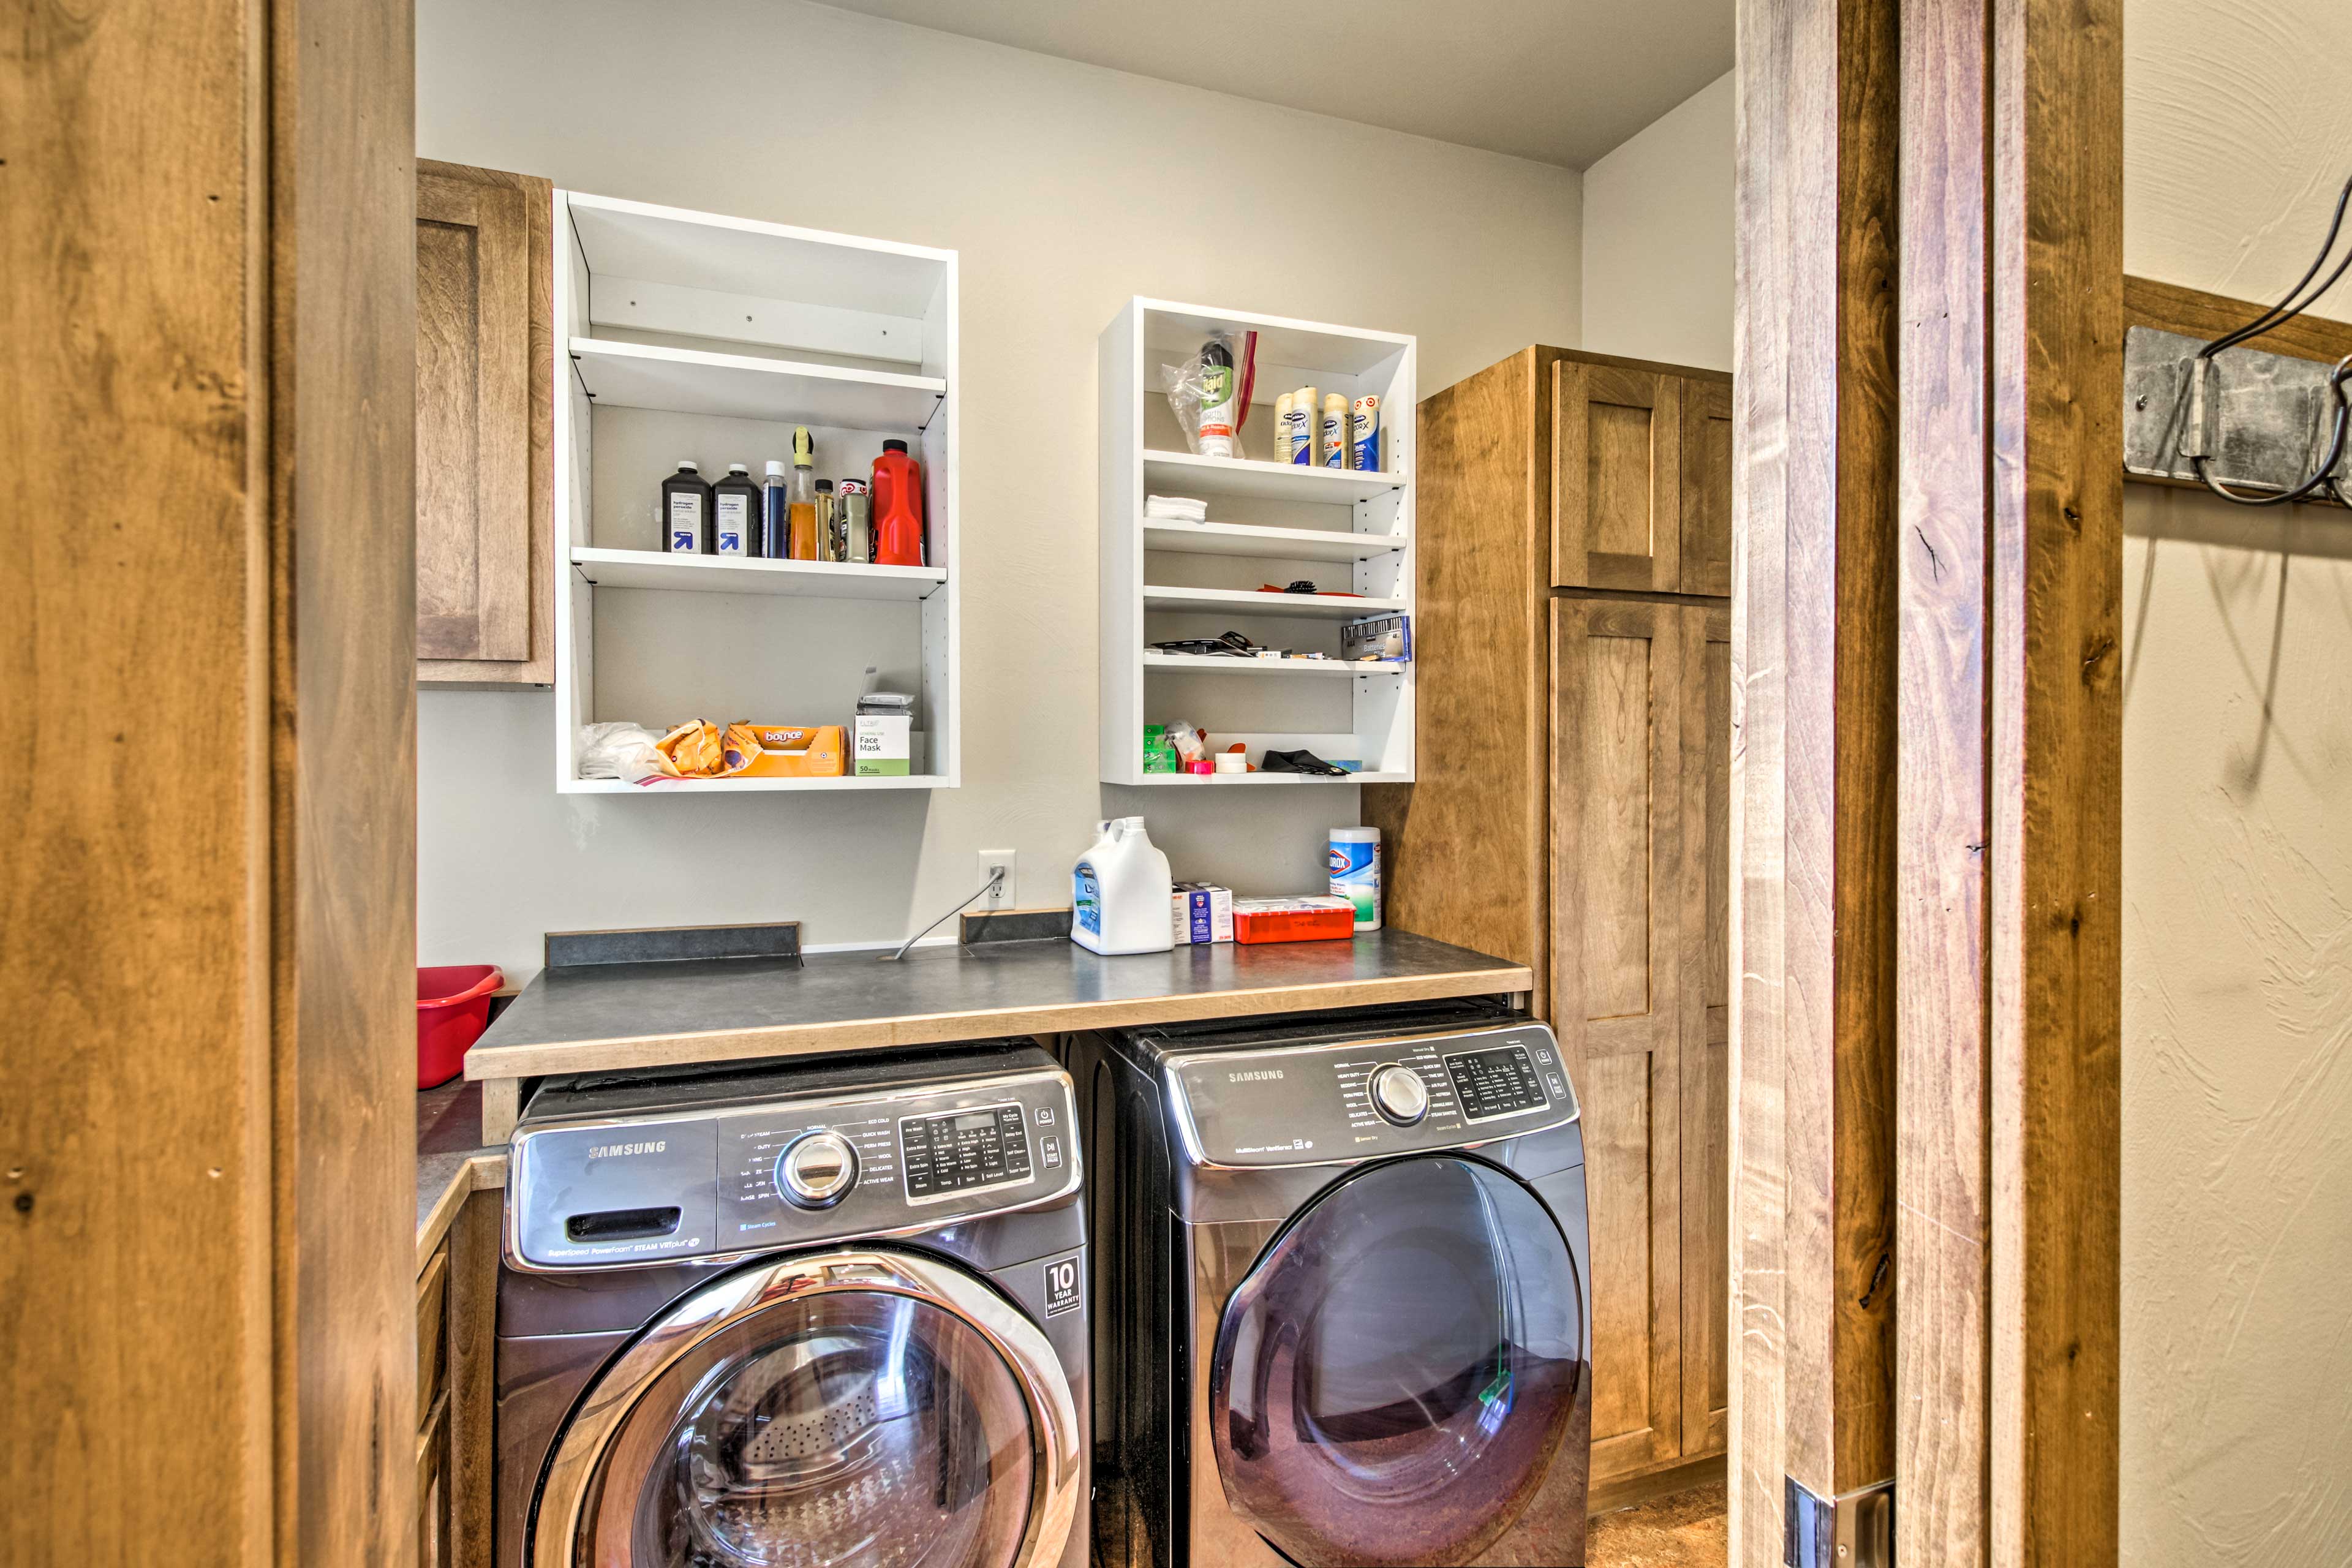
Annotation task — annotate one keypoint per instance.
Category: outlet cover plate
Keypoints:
(1000, 897)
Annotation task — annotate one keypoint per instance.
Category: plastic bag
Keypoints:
(1191, 745)
(630, 753)
(1210, 393)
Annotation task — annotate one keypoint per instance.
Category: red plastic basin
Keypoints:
(453, 1004)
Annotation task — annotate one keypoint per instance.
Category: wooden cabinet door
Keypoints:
(1705, 1027)
(485, 477)
(1617, 473)
(1617, 858)
(1705, 490)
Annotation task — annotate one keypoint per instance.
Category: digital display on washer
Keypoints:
(962, 1150)
(1500, 1083)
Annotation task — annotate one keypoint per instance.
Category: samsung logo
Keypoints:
(607, 1150)
(1260, 1075)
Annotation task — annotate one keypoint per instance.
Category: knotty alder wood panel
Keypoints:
(344, 753)
(1616, 435)
(1813, 509)
(485, 463)
(210, 1273)
(1706, 488)
(1703, 1025)
(2010, 1018)
(1480, 790)
(1616, 857)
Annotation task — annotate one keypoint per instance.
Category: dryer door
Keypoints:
(1392, 1380)
(854, 1408)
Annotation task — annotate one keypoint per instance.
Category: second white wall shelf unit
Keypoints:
(688, 334)
(1270, 523)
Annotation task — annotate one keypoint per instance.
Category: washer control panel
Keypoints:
(963, 1150)
(786, 1172)
(1498, 1082)
(1355, 1099)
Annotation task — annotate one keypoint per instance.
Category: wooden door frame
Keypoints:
(1929, 504)
(208, 1107)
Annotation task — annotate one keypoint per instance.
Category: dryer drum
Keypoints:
(1392, 1381)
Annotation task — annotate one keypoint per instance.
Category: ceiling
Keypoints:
(1561, 81)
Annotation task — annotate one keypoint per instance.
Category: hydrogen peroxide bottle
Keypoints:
(735, 511)
(685, 511)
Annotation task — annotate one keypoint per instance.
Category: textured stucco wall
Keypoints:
(2237, 1333)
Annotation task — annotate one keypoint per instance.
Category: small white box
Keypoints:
(1200, 913)
(882, 746)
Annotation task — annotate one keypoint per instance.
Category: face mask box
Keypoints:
(883, 746)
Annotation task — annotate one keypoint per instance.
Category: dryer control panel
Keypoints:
(789, 1172)
(1357, 1099)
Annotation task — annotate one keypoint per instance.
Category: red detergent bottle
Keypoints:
(898, 508)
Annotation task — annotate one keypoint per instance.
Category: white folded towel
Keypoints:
(1182, 509)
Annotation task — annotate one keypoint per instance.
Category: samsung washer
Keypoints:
(1341, 1303)
(827, 1313)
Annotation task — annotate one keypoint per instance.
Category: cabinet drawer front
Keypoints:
(1616, 478)
(431, 1337)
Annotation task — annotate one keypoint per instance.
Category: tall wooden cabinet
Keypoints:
(485, 423)
(1571, 810)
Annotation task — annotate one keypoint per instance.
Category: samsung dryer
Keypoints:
(830, 1313)
(1341, 1307)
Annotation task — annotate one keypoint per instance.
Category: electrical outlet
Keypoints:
(1000, 897)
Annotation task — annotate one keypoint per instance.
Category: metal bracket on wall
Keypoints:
(2263, 420)
(1852, 1530)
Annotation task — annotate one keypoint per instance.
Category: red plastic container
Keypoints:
(453, 1004)
(898, 507)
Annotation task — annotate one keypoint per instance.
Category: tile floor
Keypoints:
(1681, 1530)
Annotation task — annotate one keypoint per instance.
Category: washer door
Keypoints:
(849, 1409)
(1391, 1380)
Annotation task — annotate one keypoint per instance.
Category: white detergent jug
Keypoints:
(1119, 891)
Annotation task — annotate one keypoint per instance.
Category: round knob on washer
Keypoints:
(1399, 1095)
(817, 1170)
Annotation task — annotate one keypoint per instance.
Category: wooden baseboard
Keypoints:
(1626, 1491)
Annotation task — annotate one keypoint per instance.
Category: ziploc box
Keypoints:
(1200, 913)
(885, 746)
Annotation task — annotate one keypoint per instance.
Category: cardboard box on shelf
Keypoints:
(797, 751)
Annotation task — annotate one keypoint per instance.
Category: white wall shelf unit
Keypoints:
(1349, 532)
(688, 334)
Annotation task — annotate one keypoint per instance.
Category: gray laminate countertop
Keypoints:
(598, 1017)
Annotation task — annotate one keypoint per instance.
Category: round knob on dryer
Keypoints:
(818, 1171)
(1399, 1095)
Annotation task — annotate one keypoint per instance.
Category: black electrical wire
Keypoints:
(2278, 315)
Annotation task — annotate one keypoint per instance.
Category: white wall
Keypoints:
(2237, 1334)
(1066, 189)
(1658, 231)
(2237, 1223)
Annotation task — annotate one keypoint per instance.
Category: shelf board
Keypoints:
(732, 574)
(1274, 543)
(1182, 781)
(1217, 664)
(1249, 602)
(751, 786)
(743, 387)
(1183, 473)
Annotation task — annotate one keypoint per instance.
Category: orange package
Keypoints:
(790, 751)
(697, 750)
(1315, 918)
